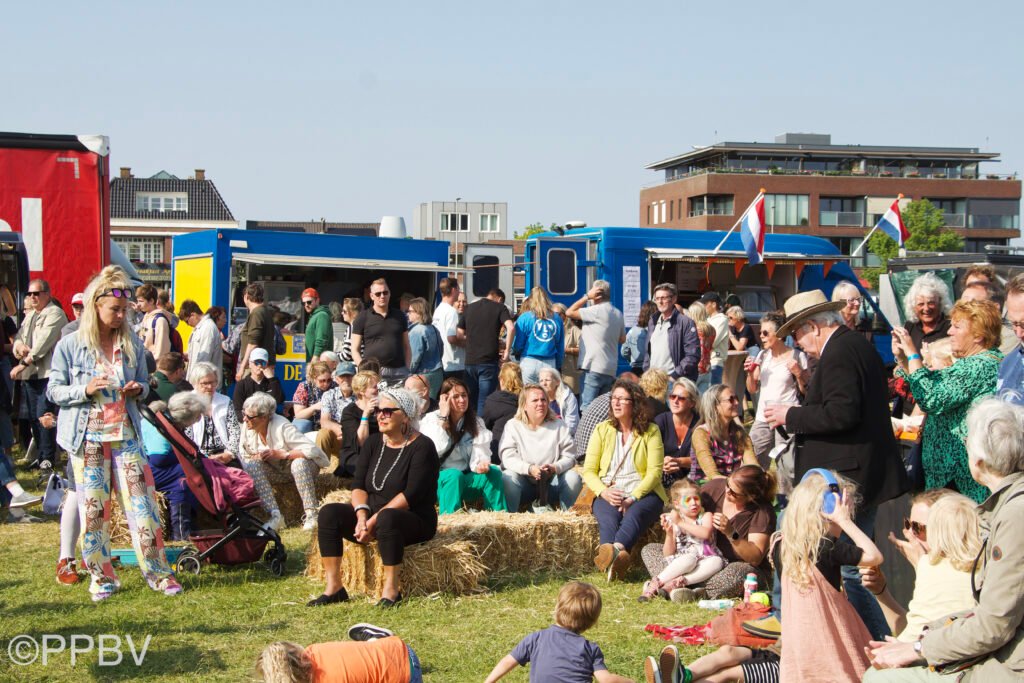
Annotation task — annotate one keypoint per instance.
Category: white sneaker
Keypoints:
(276, 521)
(309, 520)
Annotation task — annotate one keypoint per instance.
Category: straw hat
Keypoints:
(802, 306)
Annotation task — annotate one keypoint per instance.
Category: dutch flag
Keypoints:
(891, 223)
(752, 230)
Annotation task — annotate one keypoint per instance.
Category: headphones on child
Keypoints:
(831, 498)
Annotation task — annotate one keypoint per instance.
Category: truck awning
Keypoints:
(704, 256)
(326, 262)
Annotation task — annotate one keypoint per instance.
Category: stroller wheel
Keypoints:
(189, 562)
(277, 566)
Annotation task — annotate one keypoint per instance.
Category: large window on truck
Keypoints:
(561, 271)
(485, 274)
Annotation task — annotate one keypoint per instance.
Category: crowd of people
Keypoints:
(429, 411)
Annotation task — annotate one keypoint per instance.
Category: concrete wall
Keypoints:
(428, 220)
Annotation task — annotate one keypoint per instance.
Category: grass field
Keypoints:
(214, 630)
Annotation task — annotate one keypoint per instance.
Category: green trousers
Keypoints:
(455, 487)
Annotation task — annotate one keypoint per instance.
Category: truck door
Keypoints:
(562, 264)
(488, 266)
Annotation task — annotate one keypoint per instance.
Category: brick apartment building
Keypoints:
(145, 213)
(813, 187)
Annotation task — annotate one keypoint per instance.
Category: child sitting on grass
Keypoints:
(691, 554)
(559, 653)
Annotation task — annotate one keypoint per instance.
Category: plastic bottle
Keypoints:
(723, 603)
(749, 586)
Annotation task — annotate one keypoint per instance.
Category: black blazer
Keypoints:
(844, 425)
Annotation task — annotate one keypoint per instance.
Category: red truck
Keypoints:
(55, 192)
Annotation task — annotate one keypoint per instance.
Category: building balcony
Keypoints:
(852, 219)
(878, 173)
(954, 220)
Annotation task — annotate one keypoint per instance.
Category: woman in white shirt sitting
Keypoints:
(217, 432)
(538, 453)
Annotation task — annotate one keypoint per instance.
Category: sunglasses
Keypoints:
(387, 412)
(117, 293)
(764, 333)
(677, 397)
(379, 294)
(732, 494)
(35, 293)
(920, 530)
(307, 303)
(249, 418)
(259, 363)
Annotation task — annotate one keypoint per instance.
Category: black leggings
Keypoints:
(395, 530)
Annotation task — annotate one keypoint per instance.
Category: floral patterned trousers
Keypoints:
(99, 466)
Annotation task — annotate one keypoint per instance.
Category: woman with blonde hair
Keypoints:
(351, 307)
(358, 421)
(502, 404)
(562, 401)
(654, 382)
(427, 347)
(706, 334)
(373, 655)
(945, 395)
(538, 455)
(540, 336)
(98, 376)
(720, 443)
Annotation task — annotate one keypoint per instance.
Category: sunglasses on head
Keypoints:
(386, 412)
(920, 530)
(117, 293)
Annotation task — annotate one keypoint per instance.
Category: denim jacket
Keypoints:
(70, 371)
(425, 342)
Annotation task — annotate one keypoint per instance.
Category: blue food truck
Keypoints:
(633, 260)
(212, 267)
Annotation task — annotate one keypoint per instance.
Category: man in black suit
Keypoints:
(844, 422)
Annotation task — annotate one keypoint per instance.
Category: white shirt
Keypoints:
(622, 472)
(446, 320)
(661, 357)
(720, 348)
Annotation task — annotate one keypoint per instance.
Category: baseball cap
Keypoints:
(259, 354)
(310, 292)
(345, 368)
(78, 299)
(711, 297)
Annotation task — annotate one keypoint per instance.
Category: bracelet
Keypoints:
(361, 507)
(884, 586)
(913, 356)
(364, 419)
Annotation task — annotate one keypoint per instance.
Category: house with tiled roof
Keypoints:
(145, 213)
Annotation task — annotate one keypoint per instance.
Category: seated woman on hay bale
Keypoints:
(463, 445)
(358, 421)
(270, 441)
(623, 468)
(217, 432)
(393, 498)
(538, 454)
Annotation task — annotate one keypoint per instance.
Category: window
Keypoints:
(785, 209)
(161, 201)
(454, 222)
(486, 278)
(671, 209)
(994, 213)
(561, 271)
(488, 222)
(711, 205)
(146, 249)
(846, 211)
(455, 260)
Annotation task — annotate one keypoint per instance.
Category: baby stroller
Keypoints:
(241, 538)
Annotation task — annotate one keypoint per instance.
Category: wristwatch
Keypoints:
(917, 648)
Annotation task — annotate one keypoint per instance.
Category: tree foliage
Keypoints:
(926, 224)
(532, 229)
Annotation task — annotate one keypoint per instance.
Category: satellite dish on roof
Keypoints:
(393, 226)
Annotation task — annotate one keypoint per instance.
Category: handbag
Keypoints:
(56, 485)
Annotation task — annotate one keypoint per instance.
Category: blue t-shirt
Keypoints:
(557, 655)
(1011, 377)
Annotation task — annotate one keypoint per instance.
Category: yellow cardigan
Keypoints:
(648, 457)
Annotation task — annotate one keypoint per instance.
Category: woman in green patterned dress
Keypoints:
(946, 395)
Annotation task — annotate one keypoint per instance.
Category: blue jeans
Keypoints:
(415, 668)
(303, 424)
(531, 367)
(6, 477)
(38, 405)
(482, 381)
(519, 488)
(626, 529)
(594, 384)
(716, 373)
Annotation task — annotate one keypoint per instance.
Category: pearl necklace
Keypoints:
(373, 477)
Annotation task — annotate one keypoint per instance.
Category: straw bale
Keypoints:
(287, 493)
(120, 535)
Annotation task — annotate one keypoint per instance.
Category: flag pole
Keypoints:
(738, 221)
(872, 232)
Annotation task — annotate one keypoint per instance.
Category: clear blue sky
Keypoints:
(351, 111)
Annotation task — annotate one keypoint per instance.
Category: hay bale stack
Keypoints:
(121, 535)
(469, 547)
(287, 493)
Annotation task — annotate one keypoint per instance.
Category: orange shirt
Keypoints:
(380, 661)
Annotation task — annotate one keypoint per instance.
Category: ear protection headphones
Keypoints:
(832, 496)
